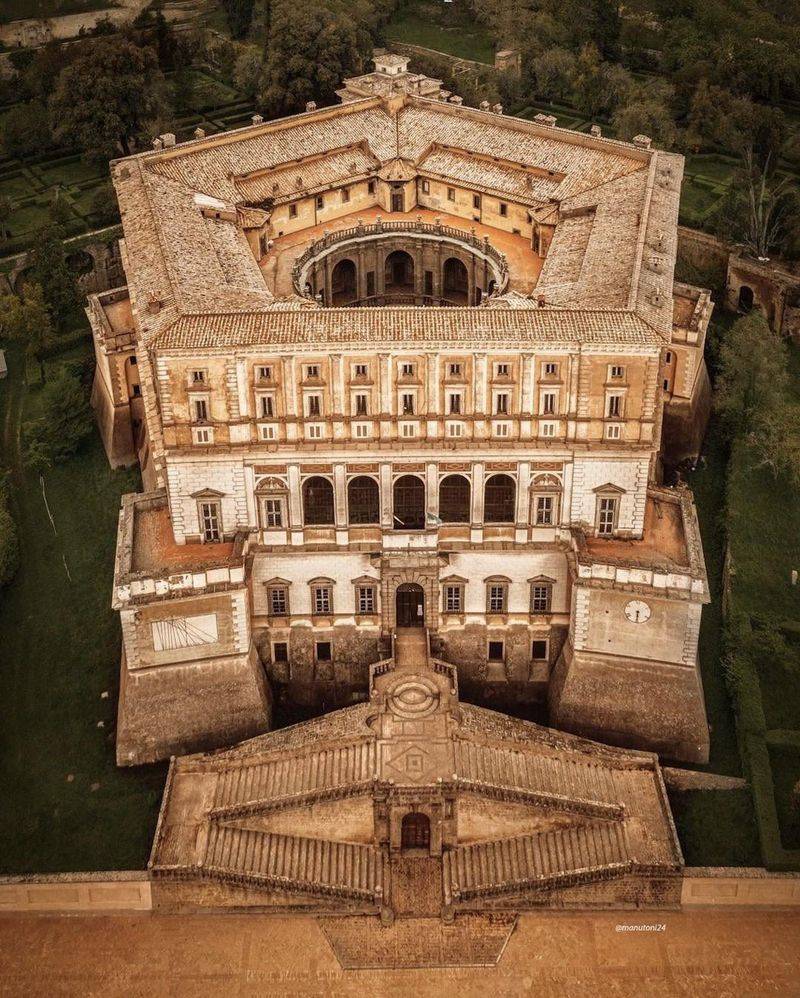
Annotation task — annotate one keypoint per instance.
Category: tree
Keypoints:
(105, 98)
(598, 86)
(49, 269)
(552, 72)
(645, 117)
(9, 539)
(248, 69)
(26, 318)
(25, 130)
(66, 423)
(311, 49)
(7, 207)
(752, 394)
(239, 15)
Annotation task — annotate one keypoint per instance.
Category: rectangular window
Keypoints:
(539, 651)
(476, 200)
(313, 405)
(496, 651)
(370, 283)
(292, 211)
(365, 599)
(210, 521)
(278, 601)
(312, 371)
(549, 403)
(426, 186)
(267, 406)
(359, 370)
(451, 193)
(547, 429)
(345, 194)
(544, 511)
(370, 187)
(502, 429)
(617, 372)
(550, 370)
(497, 598)
(614, 407)
(315, 431)
(501, 370)
(668, 357)
(455, 429)
(541, 597)
(406, 370)
(454, 370)
(362, 430)
(613, 431)
(322, 651)
(198, 377)
(429, 282)
(607, 516)
(137, 390)
(454, 599)
(501, 403)
(200, 407)
(268, 431)
(407, 403)
(273, 513)
(320, 202)
(503, 209)
(202, 435)
(666, 384)
(408, 430)
(280, 651)
(361, 404)
(321, 599)
(264, 373)
(454, 403)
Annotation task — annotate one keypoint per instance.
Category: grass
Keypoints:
(450, 28)
(65, 804)
(13, 10)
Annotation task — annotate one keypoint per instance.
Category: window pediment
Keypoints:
(454, 580)
(277, 582)
(609, 489)
(541, 580)
(271, 484)
(208, 494)
(323, 581)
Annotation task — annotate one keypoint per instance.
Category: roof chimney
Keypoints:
(455, 99)
(497, 108)
(311, 105)
(257, 119)
(485, 105)
(642, 141)
(158, 144)
(596, 131)
(168, 138)
(199, 133)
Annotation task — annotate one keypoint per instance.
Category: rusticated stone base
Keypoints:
(190, 708)
(631, 703)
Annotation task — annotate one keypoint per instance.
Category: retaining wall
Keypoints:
(127, 890)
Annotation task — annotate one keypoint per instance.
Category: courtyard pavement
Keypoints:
(696, 953)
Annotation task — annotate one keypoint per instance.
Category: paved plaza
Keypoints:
(698, 953)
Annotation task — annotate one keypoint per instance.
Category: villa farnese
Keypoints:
(406, 364)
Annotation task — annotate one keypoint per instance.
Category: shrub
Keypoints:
(66, 424)
(9, 539)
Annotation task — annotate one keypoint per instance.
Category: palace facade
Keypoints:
(396, 363)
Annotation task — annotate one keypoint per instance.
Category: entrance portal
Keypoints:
(410, 605)
(415, 831)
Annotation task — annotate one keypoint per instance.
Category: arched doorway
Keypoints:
(454, 499)
(398, 274)
(410, 605)
(363, 503)
(746, 298)
(499, 499)
(409, 503)
(343, 283)
(455, 281)
(415, 831)
(318, 502)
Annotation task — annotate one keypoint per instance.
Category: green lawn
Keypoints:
(12, 10)
(450, 28)
(65, 804)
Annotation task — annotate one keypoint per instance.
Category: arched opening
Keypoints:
(317, 502)
(454, 499)
(363, 501)
(455, 281)
(409, 605)
(409, 503)
(80, 262)
(499, 499)
(746, 298)
(344, 288)
(415, 831)
(398, 274)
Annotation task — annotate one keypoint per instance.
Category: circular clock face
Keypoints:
(637, 611)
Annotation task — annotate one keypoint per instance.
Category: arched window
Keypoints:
(499, 499)
(317, 502)
(746, 298)
(363, 502)
(409, 503)
(455, 281)
(415, 831)
(399, 272)
(454, 499)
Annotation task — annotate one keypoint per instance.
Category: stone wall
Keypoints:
(745, 887)
(67, 892)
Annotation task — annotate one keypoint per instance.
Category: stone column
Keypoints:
(476, 527)
(432, 488)
(386, 496)
(523, 501)
(295, 504)
(340, 501)
(290, 397)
